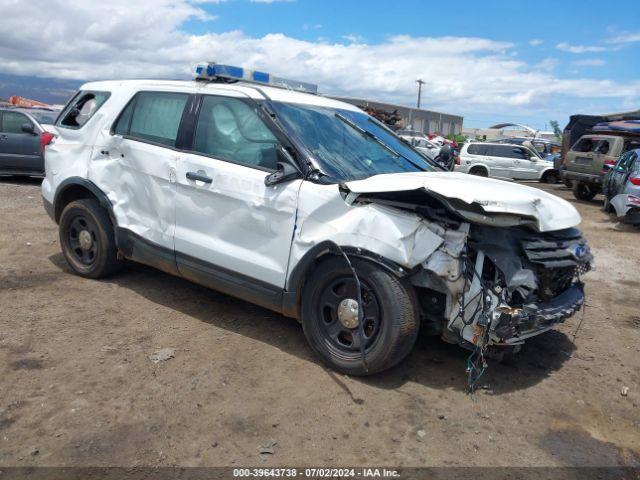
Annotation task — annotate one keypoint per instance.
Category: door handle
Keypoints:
(199, 176)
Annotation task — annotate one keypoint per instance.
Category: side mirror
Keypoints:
(28, 128)
(533, 158)
(286, 169)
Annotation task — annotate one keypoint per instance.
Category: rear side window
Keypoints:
(81, 108)
(153, 117)
(12, 122)
(500, 150)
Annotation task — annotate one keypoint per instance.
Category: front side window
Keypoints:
(153, 116)
(12, 122)
(230, 129)
(349, 145)
(81, 108)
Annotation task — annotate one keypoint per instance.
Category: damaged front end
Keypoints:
(495, 279)
(514, 284)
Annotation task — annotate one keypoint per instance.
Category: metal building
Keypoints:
(426, 121)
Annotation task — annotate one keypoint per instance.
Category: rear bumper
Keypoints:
(581, 177)
(48, 207)
(533, 319)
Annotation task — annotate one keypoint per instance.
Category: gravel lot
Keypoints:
(77, 387)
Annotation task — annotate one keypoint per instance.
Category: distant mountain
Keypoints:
(48, 90)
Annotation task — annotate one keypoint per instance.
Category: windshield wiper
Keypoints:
(370, 135)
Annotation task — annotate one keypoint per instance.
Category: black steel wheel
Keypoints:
(330, 316)
(87, 239)
(339, 324)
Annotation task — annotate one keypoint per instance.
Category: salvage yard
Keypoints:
(78, 386)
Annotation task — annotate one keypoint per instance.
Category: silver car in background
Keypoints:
(621, 187)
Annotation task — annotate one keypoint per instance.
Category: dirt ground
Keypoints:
(77, 387)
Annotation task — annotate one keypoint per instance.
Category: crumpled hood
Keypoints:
(494, 196)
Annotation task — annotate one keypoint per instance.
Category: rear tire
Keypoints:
(87, 239)
(390, 316)
(479, 171)
(583, 191)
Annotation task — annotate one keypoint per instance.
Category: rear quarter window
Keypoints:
(475, 149)
(81, 108)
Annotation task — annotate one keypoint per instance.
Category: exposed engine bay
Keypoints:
(494, 281)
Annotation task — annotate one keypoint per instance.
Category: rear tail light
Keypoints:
(45, 139)
(610, 162)
(635, 180)
(457, 159)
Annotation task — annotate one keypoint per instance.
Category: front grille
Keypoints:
(557, 258)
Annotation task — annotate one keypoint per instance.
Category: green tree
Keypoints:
(556, 129)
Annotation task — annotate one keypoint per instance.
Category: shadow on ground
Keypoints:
(433, 363)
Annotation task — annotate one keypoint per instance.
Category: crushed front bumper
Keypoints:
(513, 326)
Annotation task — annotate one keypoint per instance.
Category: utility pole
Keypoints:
(420, 82)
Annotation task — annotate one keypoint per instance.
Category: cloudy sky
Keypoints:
(490, 60)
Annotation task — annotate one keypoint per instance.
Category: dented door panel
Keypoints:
(235, 222)
(139, 180)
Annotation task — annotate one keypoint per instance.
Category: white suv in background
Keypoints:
(309, 207)
(503, 160)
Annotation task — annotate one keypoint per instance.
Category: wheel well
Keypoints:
(70, 194)
(477, 168)
(551, 171)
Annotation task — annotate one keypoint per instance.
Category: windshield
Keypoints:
(349, 145)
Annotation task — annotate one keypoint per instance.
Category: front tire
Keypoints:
(87, 239)
(390, 316)
(583, 191)
(550, 178)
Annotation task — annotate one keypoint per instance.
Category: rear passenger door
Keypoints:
(230, 227)
(500, 161)
(19, 151)
(136, 168)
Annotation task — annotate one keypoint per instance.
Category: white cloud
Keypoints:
(566, 47)
(536, 42)
(589, 62)
(311, 26)
(625, 37)
(94, 39)
(353, 38)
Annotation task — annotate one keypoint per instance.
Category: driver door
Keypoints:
(232, 229)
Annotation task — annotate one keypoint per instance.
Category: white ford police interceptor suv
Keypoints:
(309, 207)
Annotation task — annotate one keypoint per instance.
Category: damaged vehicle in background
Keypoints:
(621, 188)
(309, 207)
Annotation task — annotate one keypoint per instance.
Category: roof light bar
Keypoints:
(214, 72)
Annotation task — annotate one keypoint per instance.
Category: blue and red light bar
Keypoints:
(215, 72)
